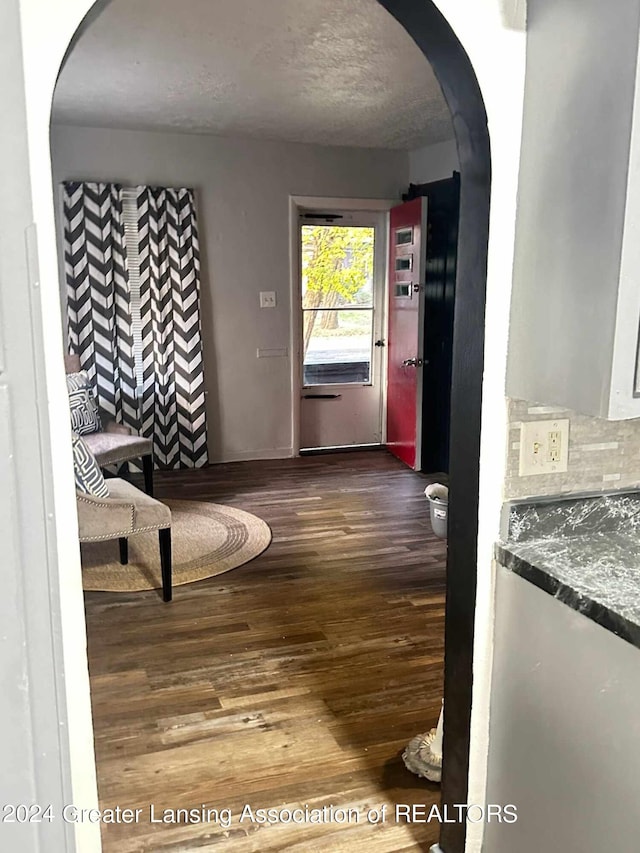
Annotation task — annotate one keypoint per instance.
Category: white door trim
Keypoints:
(45, 709)
(296, 203)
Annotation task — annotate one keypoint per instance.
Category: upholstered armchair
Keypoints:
(126, 512)
(115, 443)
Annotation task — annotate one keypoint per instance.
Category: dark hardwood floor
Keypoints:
(295, 679)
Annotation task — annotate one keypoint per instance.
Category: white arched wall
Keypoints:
(492, 33)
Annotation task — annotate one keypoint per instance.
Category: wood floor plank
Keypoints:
(294, 680)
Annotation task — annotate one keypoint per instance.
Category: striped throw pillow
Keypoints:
(89, 478)
(85, 417)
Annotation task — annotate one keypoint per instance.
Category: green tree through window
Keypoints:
(337, 272)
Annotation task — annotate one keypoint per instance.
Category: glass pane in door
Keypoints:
(337, 266)
(339, 348)
(337, 303)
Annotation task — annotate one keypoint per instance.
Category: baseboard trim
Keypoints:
(255, 455)
(348, 448)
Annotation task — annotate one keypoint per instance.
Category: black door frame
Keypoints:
(453, 69)
(443, 202)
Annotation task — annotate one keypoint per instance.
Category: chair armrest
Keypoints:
(103, 518)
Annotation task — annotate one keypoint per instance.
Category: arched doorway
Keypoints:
(430, 30)
(45, 33)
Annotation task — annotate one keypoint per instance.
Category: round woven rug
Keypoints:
(207, 539)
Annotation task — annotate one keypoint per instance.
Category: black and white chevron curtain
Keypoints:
(156, 387)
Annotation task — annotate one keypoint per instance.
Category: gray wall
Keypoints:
(581, 63)
(243, 187)
(564, 743)
(433, 162)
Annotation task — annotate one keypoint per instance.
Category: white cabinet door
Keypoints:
(575, 307)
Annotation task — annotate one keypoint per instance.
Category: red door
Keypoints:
(404, 369)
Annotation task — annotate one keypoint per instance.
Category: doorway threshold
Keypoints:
(342, 448)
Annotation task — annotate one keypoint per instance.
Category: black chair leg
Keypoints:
(124, 550)
(165, 562)
(147, 470)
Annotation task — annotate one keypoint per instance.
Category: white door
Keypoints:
(341, 315)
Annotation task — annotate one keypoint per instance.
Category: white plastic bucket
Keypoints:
(438, 497)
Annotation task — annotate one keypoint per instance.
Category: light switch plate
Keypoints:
(267, 299)
(544, 447)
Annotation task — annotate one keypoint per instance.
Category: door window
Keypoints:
(337, 303)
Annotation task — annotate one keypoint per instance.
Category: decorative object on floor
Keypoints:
(113, 443)
(423, 755)
(208, 539)
(127, 512)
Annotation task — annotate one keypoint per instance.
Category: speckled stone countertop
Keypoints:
(583, 550)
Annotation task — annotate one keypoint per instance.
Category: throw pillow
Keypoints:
(89, 478)
(85, 417)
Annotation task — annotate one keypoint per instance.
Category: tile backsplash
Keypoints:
(603, 455)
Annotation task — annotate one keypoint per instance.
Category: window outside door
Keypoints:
(341, 304)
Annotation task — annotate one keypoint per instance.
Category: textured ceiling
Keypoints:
(333, 72)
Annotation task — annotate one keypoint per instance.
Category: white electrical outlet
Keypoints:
(267, 299)
(544, 447)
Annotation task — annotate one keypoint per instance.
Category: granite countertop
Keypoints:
(583, 550)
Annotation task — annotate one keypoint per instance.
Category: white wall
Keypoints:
(433, 162)
(243, 189)
(34, 713)
(565, 729)
(492, 34)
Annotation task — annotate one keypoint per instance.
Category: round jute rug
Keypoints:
(207, 539)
